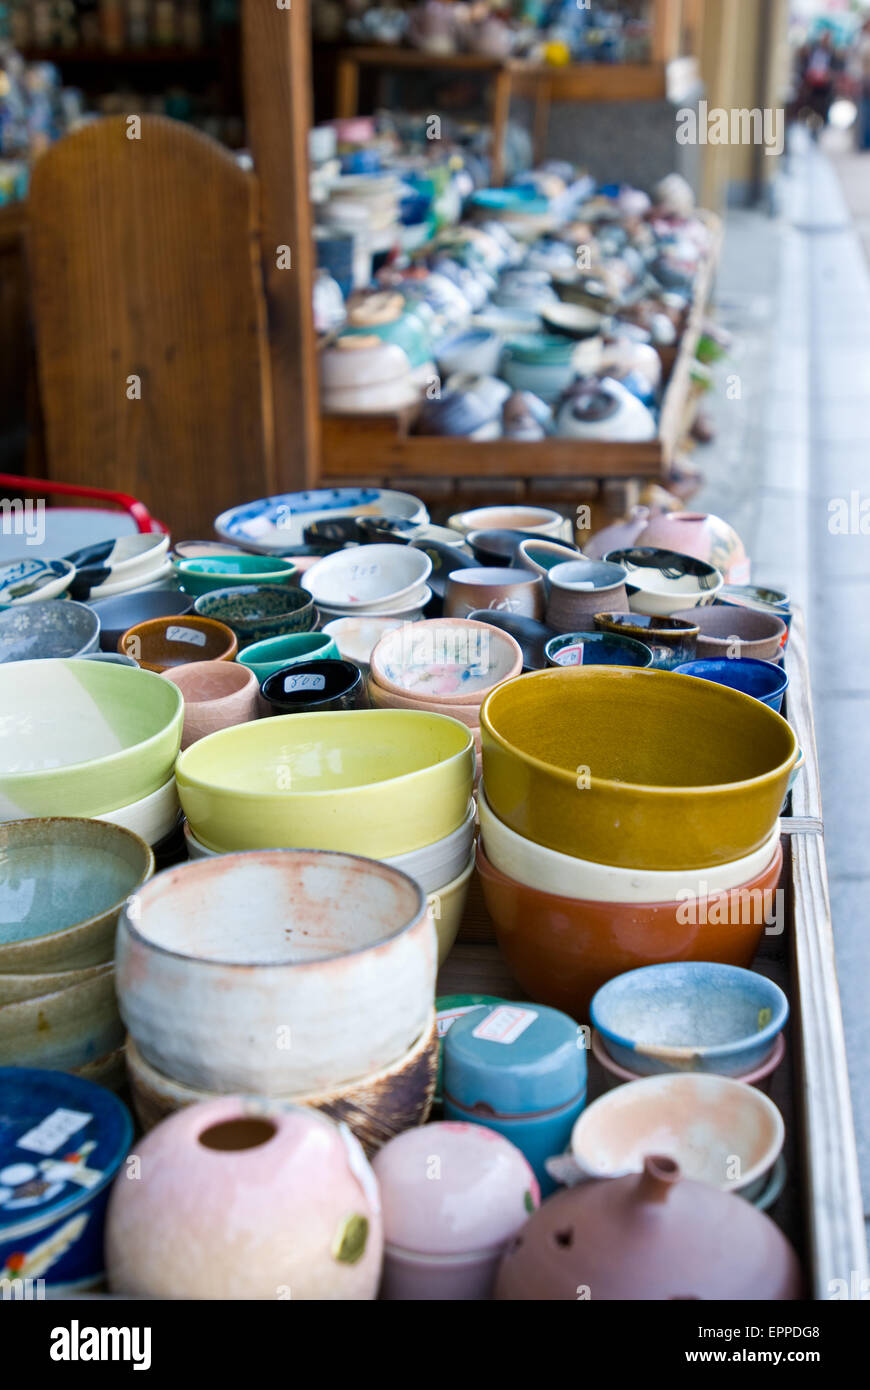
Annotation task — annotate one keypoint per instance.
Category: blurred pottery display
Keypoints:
(306, 1214)
(217, 695)
(502, 590)
(62, 1141)
(35, 631)
(513, 518)
(458, 414)
(580, 588)
(205, 989)
(118, 615)
(677, 773)
(761, 679)
(703, 535)
(661, 582)
(736, 632)
(541, 363)
(596, 649)
(520, 1071)
(443, 1240)
(363, 374)
(650, 1235)
(760, 1076)
(162, 643)
(671, 640)
(256, 612)
(314, 687)
(476, 351)
(605, 410)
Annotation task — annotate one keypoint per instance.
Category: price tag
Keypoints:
(186, 634)
(570, 656)
(53, 1131)
(505, 1024)
(304, 682)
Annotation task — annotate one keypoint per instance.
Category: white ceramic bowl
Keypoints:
(152, 817)
(276, 972)
(356, 638)
(513, 518)
(446, 660)
(408, 609)
(548, 871)
(274, 523)
(368, 575)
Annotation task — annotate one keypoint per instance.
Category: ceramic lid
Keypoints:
(517, 1059)
(61, 1140)
(451, 1189)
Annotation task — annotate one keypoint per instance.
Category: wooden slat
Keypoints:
(145, 262)
(806, 797)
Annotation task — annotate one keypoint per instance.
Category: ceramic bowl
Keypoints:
(671, 640)
(256, 612)
(217, 695)
(30, 581)
(305, 1216)
(635, 768)
(409, 608)
(501, 590)
(447, 907)
(539, 362)
(155, 579)
(83, 737)
(356, 638)
(499, 548)
(476, 352)
(565, 875)
(581, 588)
(165, 642)
(65, 1029)
(314, 687)
(541, 556)
(449, 661)
(34, 631)
(690, 1016)
(573, 320)
(64, 883)
(760, 600)
(661, 582)
(273, 524)
(760, 679)
(562, 949)
(277, 653)
(374, 1108)
(371, 575)
(153, 817)
(114, 659)
(604, 409)
(206, 988)
(736, 632)
(513, 518)
(15, 989)
(118, 615)
(199, 577)
(531, 635)
(469, 715)
(703, 535)
(202, 550)
(377, 782)
(128, 561)
(596, 649)
(718, 1130)
(760, 1076)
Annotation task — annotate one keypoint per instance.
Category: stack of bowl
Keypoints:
(383, 581)
(322, 996)
(392, 784)
(628, 817)
(87, 738)
(120, 566)
(445, 666)
(63, 885)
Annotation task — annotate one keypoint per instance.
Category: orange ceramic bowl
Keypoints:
(561, 950)
(161, 643)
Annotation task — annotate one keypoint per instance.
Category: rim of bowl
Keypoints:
(116, 830)
(670, 1080)
(13, 779)
(778, 628)
(694, 567)
(172, 671)
(238, 591)
(493, 576)
(430, 624)
(416, 605)
(570, 586)
(373, 866)
(682, 627)
(261, 658)
(766, 1034)
(749, 1078)
(682, 670)
(334, 562)
(608, 783)
(468, 746)
(200, 565)
(165, 620)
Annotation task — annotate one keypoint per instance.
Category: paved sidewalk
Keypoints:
(795, 291)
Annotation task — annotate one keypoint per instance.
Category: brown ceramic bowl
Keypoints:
(735, 632)
(561, 950)
(175, 641)
(578, 589)
(501, 590)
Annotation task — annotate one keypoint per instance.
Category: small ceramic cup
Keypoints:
(501, 590)
(217, 695)
(596, 649)
(671, 640)
(581, 588)
(315, 687)
(162, 643)
(265, 658)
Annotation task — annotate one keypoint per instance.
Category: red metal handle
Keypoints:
(45, 487)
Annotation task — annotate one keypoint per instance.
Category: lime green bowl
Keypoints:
(273, 654)
(201, 576)
(371, 782)
(80, 738)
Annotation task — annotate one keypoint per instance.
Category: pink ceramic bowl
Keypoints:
(217, 695)
(469, 715)
(761, 1076)
(445, 661)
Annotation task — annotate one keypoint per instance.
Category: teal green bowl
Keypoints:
(256, 612)
(227, 571)
(265, 658)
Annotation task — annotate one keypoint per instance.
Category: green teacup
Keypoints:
(265, 658)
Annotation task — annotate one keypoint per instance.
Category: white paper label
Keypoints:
(186, 634)
(570, 656)
(445, 1021)
(53, 1131)
(505, 1024)
(304, 682)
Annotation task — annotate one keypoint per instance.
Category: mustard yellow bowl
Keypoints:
(635, 768)
(371, 782)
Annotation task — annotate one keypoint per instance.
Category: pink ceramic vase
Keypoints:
(240, 1199)
(703, 535)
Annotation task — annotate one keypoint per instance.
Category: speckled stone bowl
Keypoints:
(256, 612)
(34, 631)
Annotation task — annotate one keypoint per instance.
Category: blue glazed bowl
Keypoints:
(763, 680)
(256, 612)
(689, 1016)
(62, 1142)
(596, 649)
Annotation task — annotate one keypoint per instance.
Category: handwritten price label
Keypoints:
(307, 682)
(186, 634)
